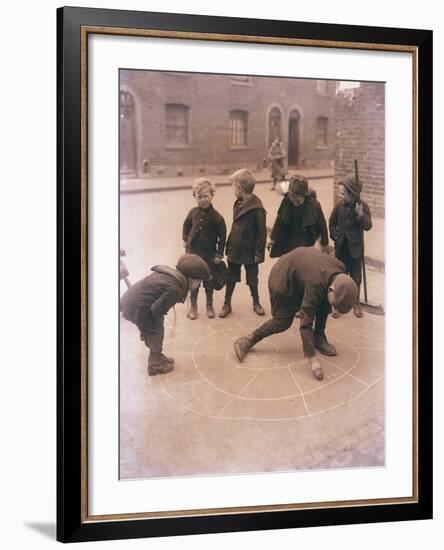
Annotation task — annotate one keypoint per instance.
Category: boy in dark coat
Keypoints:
(204, 233)
(310, 282)
(246, 242)
(148, 301)
(349, 218)
(299, 222)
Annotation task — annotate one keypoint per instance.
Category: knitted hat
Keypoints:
(350, 183)
(346, 293)
(298, 186)
(193, 266)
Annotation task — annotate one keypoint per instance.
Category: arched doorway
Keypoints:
(128, 157)
(274, 125)
(294, 131)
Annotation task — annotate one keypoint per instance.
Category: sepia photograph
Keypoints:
(252, 274)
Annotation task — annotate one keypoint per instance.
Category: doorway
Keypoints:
(294, 138)
(274, 125)
(128, 158)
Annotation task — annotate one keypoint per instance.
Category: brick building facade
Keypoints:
(191, 124)
(360, 134)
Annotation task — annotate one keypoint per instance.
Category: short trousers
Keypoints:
(252, 271)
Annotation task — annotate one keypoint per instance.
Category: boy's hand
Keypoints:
(359, 210)
(316, 368)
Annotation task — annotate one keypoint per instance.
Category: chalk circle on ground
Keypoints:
(274, 383)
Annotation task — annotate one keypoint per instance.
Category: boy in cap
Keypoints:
(312, 283)
(204, 233)
(349, 218)
(246, 242)
(148, 301)
(300, 220)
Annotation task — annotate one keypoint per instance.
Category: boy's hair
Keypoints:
(245, 178)
(203, 184)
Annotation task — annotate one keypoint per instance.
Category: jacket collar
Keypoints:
(177, 275)
(308, 216)
(242, 207)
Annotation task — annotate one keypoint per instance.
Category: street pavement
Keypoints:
(213, 415)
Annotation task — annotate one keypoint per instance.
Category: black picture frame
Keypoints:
(73, 522)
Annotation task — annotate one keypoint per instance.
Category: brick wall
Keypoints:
(210, 99)
(360, 134)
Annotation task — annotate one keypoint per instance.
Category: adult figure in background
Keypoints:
(276, 155)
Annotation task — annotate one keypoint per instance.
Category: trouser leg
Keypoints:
(209, 295)
(273, 326)
(153, 340)
(321, 321)
(243, 345)
(356, 272)
(229, 289)
(254, 293)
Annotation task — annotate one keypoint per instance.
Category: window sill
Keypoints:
(177, 147)
(239, 148)
(321, 148)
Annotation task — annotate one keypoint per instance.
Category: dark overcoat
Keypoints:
(248, 235)
(298, 226)
(205, 233)
(345, 224)
(145, 302)
(299, 281)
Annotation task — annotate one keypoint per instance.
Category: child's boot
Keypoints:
(357, 310)
(226, 309)
(323, 346)
(192, 313)
(210, 309)
(242, 346)
(257, 308)
(158, 365)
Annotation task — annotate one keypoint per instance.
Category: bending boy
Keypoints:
(310, 282)
(148, 301)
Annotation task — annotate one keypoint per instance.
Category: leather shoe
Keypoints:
(210, 311)
(226, 310)
(167, 359)
(241, 347)
(192, 313)
(325, 347)
(258, 309)
(159, 367)
(357, 310)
